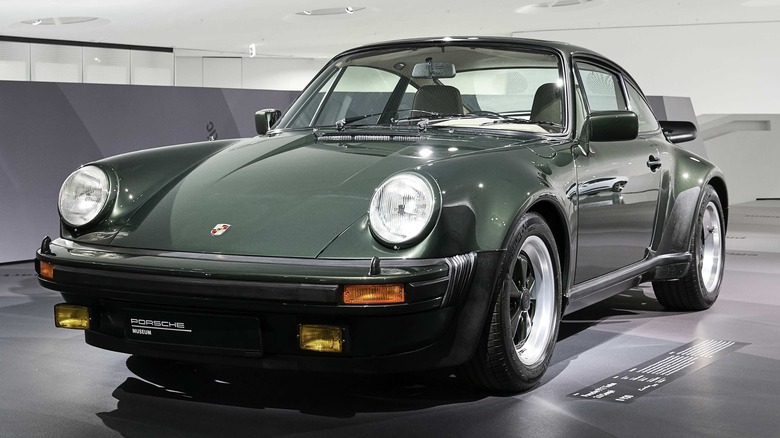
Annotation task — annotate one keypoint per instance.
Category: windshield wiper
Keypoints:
(524, 122)
(349, 120)
(430, 116)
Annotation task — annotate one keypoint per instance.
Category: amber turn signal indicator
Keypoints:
(71, 316)
(373, 293)
(47, 270)
(320, 338)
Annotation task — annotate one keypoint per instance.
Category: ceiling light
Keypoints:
(59, 21)
(331, 11)
(556, 5)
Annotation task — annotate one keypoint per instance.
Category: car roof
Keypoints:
(508, 42)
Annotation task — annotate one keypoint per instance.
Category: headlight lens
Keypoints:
(83, 195)
(402, 209)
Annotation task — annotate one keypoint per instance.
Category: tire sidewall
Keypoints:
(530, 224)
(707, 297)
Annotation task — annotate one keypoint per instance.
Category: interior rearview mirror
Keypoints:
(265, 119)
(430, 70)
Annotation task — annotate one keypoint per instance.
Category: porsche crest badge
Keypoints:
(219, 229)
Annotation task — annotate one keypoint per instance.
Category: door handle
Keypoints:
(654, 163)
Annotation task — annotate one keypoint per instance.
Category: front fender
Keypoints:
(134, 184)
(483, 194)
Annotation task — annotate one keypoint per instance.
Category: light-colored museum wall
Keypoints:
(38, 62)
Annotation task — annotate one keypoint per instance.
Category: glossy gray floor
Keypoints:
(52, 384)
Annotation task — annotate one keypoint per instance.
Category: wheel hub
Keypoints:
(525, 299)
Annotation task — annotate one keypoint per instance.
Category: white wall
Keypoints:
(280, 73)
(222, 72)
(724, 68)
(74, 63)
(189, 71)
(14, 61)
(745, 147)
(106, 66)
(283, 74)
(52, 63)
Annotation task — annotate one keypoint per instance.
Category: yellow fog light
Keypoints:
(72, 317)
(320, 338)
(47, 270)
(373, 293)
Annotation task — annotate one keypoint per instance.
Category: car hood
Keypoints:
(286, 195)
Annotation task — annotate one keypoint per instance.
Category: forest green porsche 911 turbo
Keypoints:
(428, 203)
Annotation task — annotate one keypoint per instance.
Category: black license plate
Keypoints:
(193, 329)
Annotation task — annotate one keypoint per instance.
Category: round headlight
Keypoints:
(83, 196)
(402, 209)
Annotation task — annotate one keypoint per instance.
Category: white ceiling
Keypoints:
(228, 27)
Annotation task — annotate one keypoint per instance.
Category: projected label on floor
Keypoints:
(626, 386)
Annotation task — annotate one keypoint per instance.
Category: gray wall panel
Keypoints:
(49, 129)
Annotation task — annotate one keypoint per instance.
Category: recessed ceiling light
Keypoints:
(556, 5)
(561, 3)
(331, 11)
(58, 21)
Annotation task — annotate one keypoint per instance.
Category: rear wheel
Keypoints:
(517, 346)
(699, 288)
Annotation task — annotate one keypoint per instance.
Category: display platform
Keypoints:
(624, 367)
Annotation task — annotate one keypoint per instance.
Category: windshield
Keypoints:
(448, 86)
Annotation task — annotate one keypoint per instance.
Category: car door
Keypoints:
(617, 191)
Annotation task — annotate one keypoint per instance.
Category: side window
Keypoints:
(602, 88)
(647, 121)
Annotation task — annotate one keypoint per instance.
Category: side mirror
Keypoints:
(611, 126)
(265, 119)
(678, 132)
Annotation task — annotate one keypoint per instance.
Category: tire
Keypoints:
(518, 342)
(700, 286)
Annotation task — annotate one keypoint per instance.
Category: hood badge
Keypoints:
(219, 229)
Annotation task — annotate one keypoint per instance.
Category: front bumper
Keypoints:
(438, 325)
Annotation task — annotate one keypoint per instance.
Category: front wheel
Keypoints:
(699, 288)
(517, 345)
